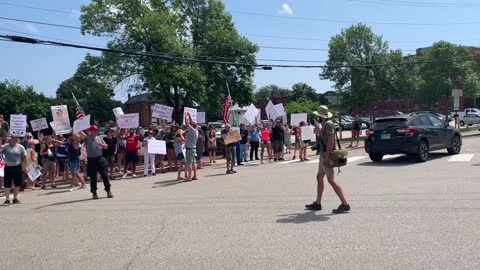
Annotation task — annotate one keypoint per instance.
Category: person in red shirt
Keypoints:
(266, 143)
(131, 148)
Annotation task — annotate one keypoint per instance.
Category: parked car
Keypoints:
(344, 123)
(366, 121)
(415, 134)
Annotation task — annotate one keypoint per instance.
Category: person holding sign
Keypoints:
(4, 129)
(229, 151)
(266, 143)
(131, 145)
(96, 162)
(149, 158)
(15, 155)
(191, 147)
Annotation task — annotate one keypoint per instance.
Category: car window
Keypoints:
(435, 121)
(383, 124)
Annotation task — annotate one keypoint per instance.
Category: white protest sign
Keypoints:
(39, 124)
(118, 111)
(130, 120)
(81, 124)
(296, 118)
(52, 124)
(61, 119)
(251, 114)
(157, 147)
(193, 114)
(308, 134)
(18, 125)
(200, 117)
(2, 165)
(162, 112)
(270, 110)
(258, 118)
(33, 172)
(279, 111)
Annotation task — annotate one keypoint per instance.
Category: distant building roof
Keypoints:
(142, 98)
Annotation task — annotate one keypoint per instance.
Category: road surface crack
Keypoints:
(155, 239)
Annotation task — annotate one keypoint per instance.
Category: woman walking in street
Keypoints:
(14, 158)
(212, 144)
(266, 143)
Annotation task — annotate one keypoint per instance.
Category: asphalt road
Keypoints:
(404, 216)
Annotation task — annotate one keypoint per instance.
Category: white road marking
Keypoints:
(356, 158)
(289, 161)
(461, 158)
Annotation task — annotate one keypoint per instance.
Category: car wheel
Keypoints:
(456, 146)
(423, 151)
(376, 157)
(462, 123)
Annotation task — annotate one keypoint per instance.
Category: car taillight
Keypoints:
(370, 132)
(407, 130)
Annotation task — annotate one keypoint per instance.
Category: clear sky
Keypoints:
(406, 24)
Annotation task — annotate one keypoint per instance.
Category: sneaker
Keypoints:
(342, 209)
(293, 157)
(153, 174)
(144, 175)
(95, 196)
(134, 175)
(125, 176)
(274, 160)
(109, 195)
(44, 187)
(314, 206)
(6, 203)
(229, 172)
(16, 201)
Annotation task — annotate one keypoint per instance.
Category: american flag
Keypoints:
(78, 110)
(227, 102)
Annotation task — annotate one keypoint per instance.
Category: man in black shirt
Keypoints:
(111, 151)
(243, 143)
(277, 141)
(229, 151)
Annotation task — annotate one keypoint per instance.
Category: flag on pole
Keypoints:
(227, 102)
(78, 109)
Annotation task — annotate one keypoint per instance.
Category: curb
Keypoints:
(471, 135)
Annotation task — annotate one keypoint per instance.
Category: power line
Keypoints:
(350, 22)
(35, 35)
(42, 23)
(204, 61)
(417, 4)
(38, 8)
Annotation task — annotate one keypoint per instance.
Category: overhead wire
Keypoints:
(418, 4)
(38, 8)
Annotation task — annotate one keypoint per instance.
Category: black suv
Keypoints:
(415, 134)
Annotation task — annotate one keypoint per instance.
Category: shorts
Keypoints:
(12, 174)
(131, 157)
(61, 163)
(190, 156)
(199, 154)
(49, 167)
(159, 157)
(325, 169)
(266, 142)
(180, 156)
(121, 149)
(230, 153)
(277, 147)
(74, 165)
(110, 160)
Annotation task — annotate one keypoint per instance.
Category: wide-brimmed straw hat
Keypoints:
(323, 112)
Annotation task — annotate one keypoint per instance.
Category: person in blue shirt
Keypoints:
(254, 142)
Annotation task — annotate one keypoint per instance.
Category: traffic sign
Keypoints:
(457, 92)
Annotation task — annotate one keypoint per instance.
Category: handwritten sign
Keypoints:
(200, 117)
(157, 147)
(118, 111)
(296, 118)
(231, 137)
(81, 124)
(162, 112)
(251, 114)
(61, 119)
(39, 124)
(193, 113)
(308, 134)
(18, 125)
(33, 172)
(128, 120)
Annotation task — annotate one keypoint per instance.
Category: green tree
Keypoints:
(18, 99)
(267, 91)
(182, 29)
(302, 105)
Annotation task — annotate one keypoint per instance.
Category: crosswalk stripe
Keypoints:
(461, 158)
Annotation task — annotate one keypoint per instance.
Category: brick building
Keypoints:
(262, 103)
(141, 104)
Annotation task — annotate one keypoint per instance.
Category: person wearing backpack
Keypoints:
(327, 145)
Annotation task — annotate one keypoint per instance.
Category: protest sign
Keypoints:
(258, 118)
(61, 119)
(193, 114)
(39, 124)
(200, 117)
(251, 114)
(157, 147)
(81, 124)
(130, 120)
(18, 125)
(162, 112)
(2, 165)
(231, 137)
(296, 118)
(308, 134)
(52, 125)
(118, 111)
(279, 111)
(270, 110)
(34, 171)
